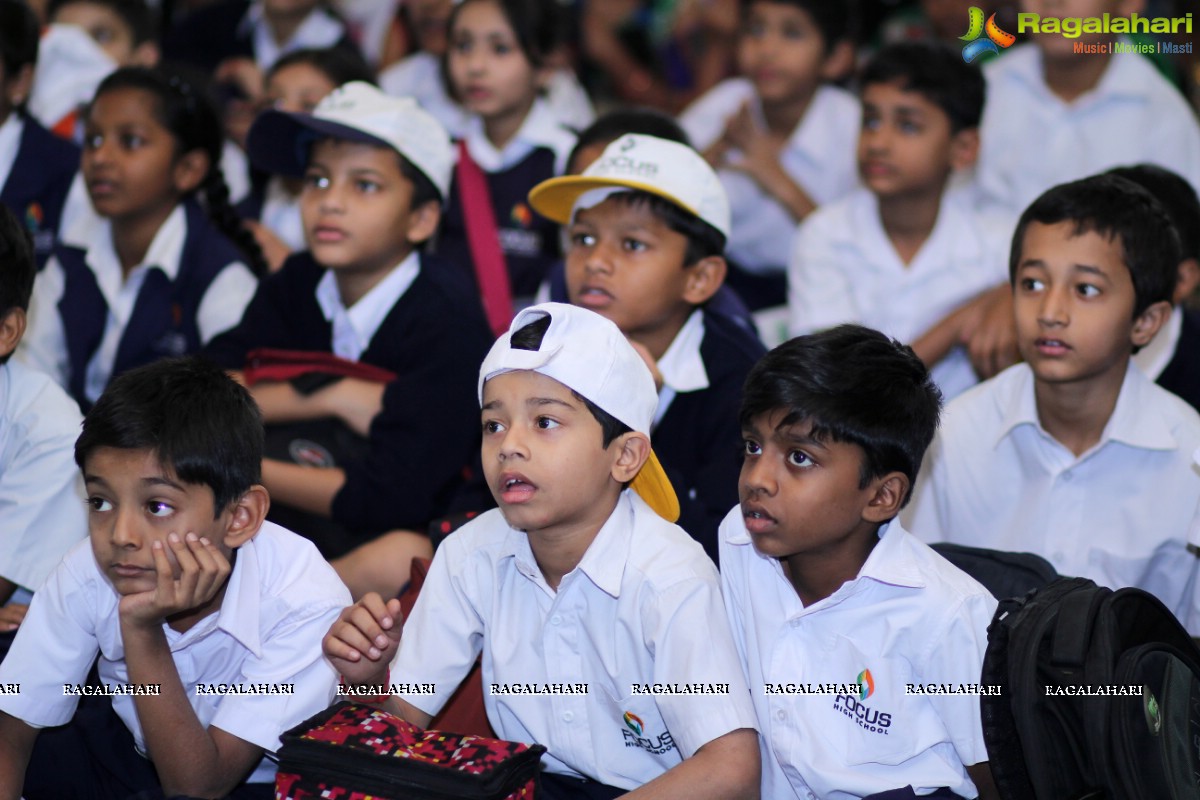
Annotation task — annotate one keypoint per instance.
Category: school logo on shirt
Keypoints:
(855, 708)
(635, 735)
(866, 684)
(997, 38)
(521, 215)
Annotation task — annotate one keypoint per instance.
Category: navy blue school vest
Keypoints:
(38, 184)
(163, 322)
(529, 240)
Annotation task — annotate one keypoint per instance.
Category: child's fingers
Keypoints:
(395, 612)
(374, 604)
(189, 570)
(351, 643)
(162, 570)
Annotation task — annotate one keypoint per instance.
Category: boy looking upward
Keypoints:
(1075, 454)
(574, 578)
(823, 585)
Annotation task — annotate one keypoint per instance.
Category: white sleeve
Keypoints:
(958, 658)
(44, 346)
(704, 120)
(923, 516)
(819, 289)
(226, 300)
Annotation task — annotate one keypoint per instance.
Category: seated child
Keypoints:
(183, 591)
(39, 486)
(573, 579)
(1055, 115)
(156, 273)
(375, 170)
(824, 586)
(647, 224)
(906, 251)
(780, 135)
(1172, 359)
(36, 167)
(1075, 454)
(124, 29)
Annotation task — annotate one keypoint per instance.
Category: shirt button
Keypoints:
(568, 716)
(781, 715)
(556, 619)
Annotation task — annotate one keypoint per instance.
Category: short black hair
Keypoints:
(17, 266)
(703, 240)
(855, 385)
(529, 337)
(19, 35)
(1120, 210)
(198, 421)
(937, 73)
(136, 14)
(1177, 197)
(609, 127)
(339, 64)
(835, 19)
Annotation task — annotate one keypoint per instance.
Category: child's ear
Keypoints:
(1187, 280)
(888, 498)
(423, 222)
(839, 62)
(704, 278)
(1148, 323)
(145, 54)
(20, 85)
(632, 450)
(12, 328)
(964, 148)
(190, 170)
(249, 511)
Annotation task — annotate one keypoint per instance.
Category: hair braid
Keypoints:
(227, 221)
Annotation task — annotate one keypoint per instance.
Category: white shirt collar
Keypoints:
(318, 30)
(681, 366)
(164, 254)
(814, 137)
(239, 614)
(354, 327)
(1128, 423)
(540, 129)
(10, 143)
(1122, 77)
(1154, 357)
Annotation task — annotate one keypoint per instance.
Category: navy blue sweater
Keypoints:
(38, 184)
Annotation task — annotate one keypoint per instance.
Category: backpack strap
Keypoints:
(483, 239)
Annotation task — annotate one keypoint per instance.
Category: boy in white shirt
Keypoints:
(207, 619)
(573, 580)
(907, 254)
(837, 611)
(1075, 454)
(1055, 114)
(781, 137)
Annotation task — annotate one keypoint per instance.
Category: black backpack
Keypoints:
(1099, 698)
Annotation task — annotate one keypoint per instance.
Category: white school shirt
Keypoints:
(682, 366)
(355, 327)
(1031, 140)
(642, 607)
(419, 76)
(909, 617)
(541, 128)
(819, 156)
(41, 491)
(281, 215)
(281, 600)
(843, 268)
(319, 30)
(45, 345)
(1119, 514)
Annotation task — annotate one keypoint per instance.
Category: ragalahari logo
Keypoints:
(866, 684)
(996, 40)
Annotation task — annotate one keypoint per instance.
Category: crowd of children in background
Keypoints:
(977, 278)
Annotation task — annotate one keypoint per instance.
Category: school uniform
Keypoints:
(696, 433)
(843, 268)
(88, 323)
(280, 601)
(419, 76)
(1172, 359)
(530, 242)
(1032, 140)
(642, 607)
(41, 493)
(422, 323)
(1119, 514)
(819, 155)
(36, 170)
(908, 618)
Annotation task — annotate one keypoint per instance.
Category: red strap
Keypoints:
(270, 364)
(483, 238)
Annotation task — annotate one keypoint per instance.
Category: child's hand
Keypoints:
(11, 616)
(203, 570)
(362, 642)
(760, 150)
(274, 250)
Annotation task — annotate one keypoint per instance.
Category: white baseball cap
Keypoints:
(588, 354)
(358, 112)
(671, 170)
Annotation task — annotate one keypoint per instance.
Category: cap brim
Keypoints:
(654, 487)
(555, 198)
(278, 141)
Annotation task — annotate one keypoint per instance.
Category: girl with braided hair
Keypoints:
(165, 264)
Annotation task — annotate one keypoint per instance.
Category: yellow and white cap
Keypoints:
(662, 167)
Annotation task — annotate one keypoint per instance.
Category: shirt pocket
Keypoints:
(631, 739)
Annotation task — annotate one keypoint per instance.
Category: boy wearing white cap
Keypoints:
(648, 222)
(376, 172)
(600, 623)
